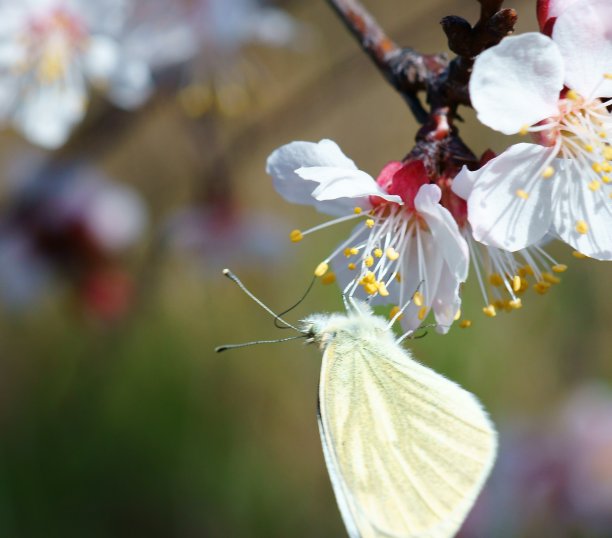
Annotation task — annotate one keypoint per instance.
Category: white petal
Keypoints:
(463, 183)
(47, 114)
(517, 82)
(444, 229)
(284, 161)
(498, 215)
(576, 202)
(583, 33)
(447, 302)
(343, 183)
(101, 58)
(131, 84)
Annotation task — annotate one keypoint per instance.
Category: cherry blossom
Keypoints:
(554, 88)
(51, 50)
(406, 251)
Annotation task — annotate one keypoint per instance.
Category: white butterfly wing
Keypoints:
(407, 450)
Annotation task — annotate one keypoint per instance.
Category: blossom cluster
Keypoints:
(419, 228)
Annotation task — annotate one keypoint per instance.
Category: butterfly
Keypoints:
(407, 450)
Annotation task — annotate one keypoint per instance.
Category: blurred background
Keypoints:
(116, 417)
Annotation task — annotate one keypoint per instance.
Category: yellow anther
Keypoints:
(357, 211)
(582, 227)
(490, 311)
(602, 134)
(382, 289)
(597, 168)
(352, 266)
(457, 315)
(347, 252)
(588, 148)
(418, 298)
(370, 288)
(398, 277)
(522, 194)
(516, 283)
(370, 223)
(321, 269)
(528, 270)
(515, 304)
(499, 304)
(392, 254)
(369, 277)
(579, 255)
(465, 324)
(608, 76)
(422, 313)
(559, 268)
(394, 311)
(550, 278)
(540, 289)
(495, 279)
(606, 166)
(378, 252)
(594, 185)
(524, 130)
(296, 236)
(328, 278)
(572, 95)
(607, 153)
(351, 251)
(548, 172)
(368, 261)
(605, 179)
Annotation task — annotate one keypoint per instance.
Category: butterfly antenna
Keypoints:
(314, 278)
(219, 349)
(239, 283)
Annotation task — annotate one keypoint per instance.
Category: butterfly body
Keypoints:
(407, 450)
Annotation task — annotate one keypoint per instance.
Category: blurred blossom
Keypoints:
(51, 50)
(552, 475)
(223, 28)
(218, 236)
(70, 222)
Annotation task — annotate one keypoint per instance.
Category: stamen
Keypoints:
(582, 227)
(515, 304)
(522, 194)
(394, 312)
(559, 268)
(296, 236)
(422, 313)
(516, 283)
(328, 278)
(490, 311)
(321, 269)
(392, 254)
(368, 261)
(357, 211)
(465, 324)
(370, 223)
(418, 298)
(352, 266)
(378, 252)
(579, 255)
(382, 289)
(548, 172)
(594, 185)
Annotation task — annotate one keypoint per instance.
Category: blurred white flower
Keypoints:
(51, 50)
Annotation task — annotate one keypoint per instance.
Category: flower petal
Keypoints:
(444, 229)
(510, 204)
(583, 33)
(447, 301)
(517, 82)
(579, 209)
(284, 161)
(464, 183)
(343, 183)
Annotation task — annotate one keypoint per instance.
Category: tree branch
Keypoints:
(405, 69)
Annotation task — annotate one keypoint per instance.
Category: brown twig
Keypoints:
(409, 72)
(405, 69)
